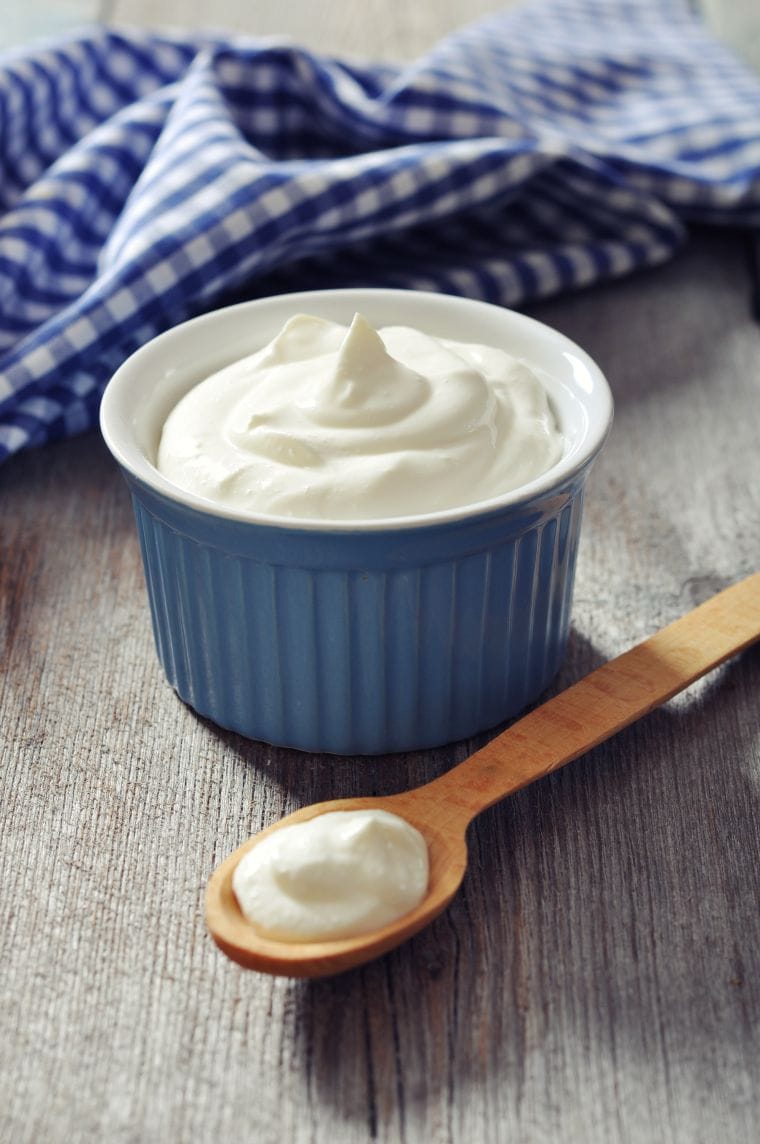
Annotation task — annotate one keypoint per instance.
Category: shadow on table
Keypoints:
(306, 778)
(610, 910)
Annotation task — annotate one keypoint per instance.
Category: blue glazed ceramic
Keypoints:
(347, 637)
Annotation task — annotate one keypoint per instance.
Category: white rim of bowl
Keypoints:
(132, 458)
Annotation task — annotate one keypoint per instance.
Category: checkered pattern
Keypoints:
(146, 178)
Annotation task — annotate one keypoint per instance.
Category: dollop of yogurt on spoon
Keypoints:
(338, 875)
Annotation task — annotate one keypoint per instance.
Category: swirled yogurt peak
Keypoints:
(335, 423)
(337, 875)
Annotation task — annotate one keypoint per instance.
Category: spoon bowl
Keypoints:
(579, 718)
(240, 941)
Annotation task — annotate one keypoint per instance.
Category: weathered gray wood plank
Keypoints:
(373, 28)
(597, 979)
(22, 23)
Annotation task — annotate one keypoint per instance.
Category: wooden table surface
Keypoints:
(597, 979)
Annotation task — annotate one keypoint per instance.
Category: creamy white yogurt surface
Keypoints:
(335, 423)
(338, 875)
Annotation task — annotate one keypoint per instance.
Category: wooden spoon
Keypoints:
(587, 713)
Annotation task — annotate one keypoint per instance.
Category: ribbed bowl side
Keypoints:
(361, 662)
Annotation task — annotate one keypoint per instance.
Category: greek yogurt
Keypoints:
(329, 422)
(338, 875)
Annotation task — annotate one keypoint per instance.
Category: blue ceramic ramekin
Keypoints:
(357, 637)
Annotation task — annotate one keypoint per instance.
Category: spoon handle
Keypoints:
(603, 702)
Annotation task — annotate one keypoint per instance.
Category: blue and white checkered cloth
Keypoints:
(145, 178)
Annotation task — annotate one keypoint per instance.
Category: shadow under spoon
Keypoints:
(553, 734)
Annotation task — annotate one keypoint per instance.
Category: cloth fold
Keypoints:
(145, 178)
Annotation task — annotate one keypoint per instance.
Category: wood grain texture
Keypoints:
(373, 28)
(597, 980)
(23, 23)
(555, 733)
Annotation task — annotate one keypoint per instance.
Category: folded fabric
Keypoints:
(145, 178)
